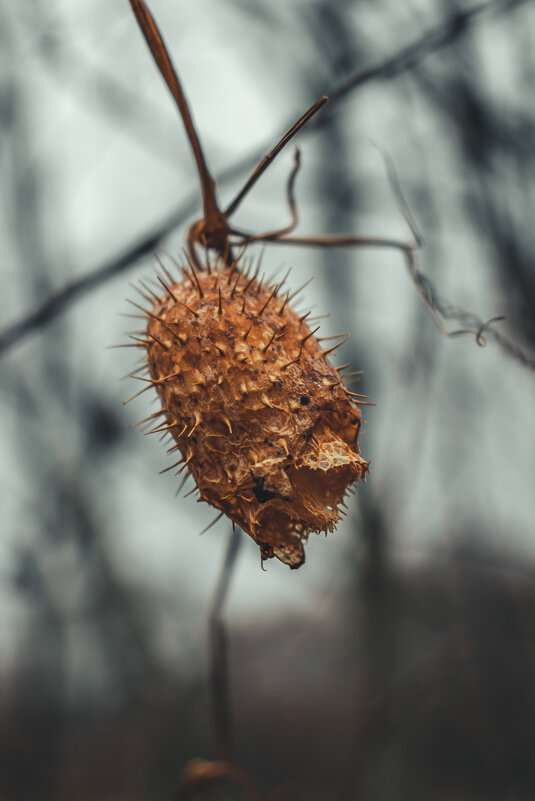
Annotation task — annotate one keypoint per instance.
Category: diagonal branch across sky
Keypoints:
(404, 60)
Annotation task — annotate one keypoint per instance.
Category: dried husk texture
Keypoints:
(262, 419)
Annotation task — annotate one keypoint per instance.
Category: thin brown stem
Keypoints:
(268, 236)
(338, 241)
(272, 155)
(163, 61)
(219, 678)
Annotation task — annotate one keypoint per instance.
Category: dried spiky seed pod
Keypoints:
(261, 417)
(263, 421)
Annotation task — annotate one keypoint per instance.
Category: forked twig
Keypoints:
(213, 230)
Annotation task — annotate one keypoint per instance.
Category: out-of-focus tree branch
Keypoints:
(405, 59)
(435, 39)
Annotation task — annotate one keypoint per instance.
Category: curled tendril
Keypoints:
(478, 333)
(480, 338)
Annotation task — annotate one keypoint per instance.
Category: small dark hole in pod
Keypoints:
(262, 495)
(304, 400)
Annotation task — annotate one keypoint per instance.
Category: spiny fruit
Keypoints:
(263, 421)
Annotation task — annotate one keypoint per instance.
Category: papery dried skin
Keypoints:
(259, 413)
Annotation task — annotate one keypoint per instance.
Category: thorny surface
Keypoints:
(265, 424)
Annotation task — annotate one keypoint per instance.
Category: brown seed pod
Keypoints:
(263, 421)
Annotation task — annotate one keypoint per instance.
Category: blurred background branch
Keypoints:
(407, 58)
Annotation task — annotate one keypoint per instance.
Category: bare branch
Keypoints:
(435, 39)
(405, 59)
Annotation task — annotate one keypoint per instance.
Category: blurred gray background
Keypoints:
(399, 661)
